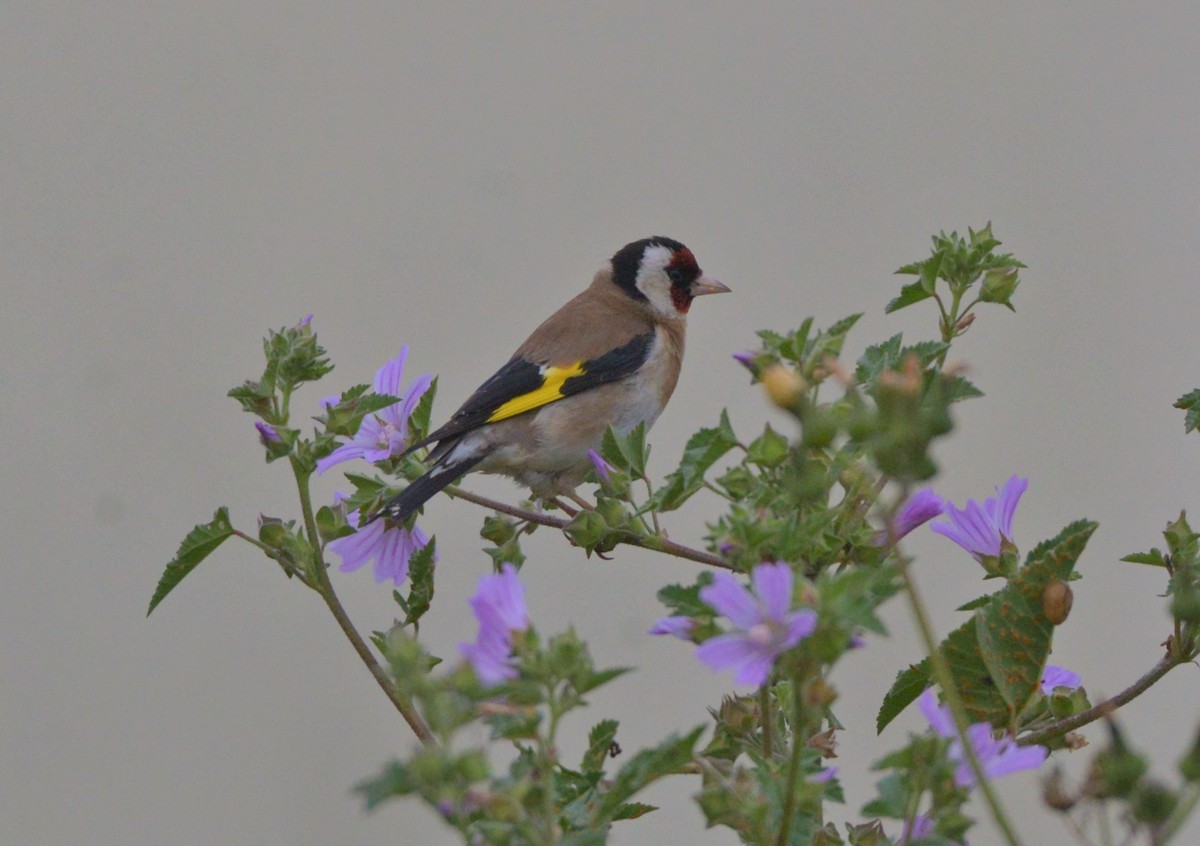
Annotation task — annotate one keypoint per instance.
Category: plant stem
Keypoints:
(324, 587)
(793, 776)
(655, 543)
(764, 711)
(945, 679)
(1168, 663)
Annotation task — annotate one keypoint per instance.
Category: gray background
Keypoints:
(177, 178)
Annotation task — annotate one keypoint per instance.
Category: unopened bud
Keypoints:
(783, 385)
(963, 324)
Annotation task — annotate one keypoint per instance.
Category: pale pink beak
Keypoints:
(707, 285)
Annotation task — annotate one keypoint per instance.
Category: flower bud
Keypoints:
(1153, 803)
(783, 386)
(999, 285)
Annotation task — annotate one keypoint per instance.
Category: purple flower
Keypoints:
(385, 433)
(983, 530)
(918, 510)
(825, 775)
(680, 627)
(388, 545)
(1053, 677)
(304, 321)
(996, 757)
(267, 433)
(499, 606)
(766, 627)
(602, 466)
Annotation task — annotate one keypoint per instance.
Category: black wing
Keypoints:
(521, 386)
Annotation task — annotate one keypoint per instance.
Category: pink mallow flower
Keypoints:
(499, 606)
(997, 757)
(983, 530)
(384, 433)
(388, 545)
(765, 626)
(1053, 677)
(917, 510)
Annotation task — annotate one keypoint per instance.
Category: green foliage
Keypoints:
(960, 263)
(1190, 402)
(997, 657)
(198, 545)
(703, 450)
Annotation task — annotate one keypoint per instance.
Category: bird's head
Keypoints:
(662, 274)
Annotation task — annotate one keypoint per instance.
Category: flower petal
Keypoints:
(727, 596)
(680, 627)
(387, 378)
(773, 585)
(1053, 677)
(937, 716)
(737, 652)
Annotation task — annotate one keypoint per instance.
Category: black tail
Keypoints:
(442, 473)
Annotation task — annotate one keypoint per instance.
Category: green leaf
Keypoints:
(959, 388)
(648, 766)
(600, 741)
(419, 422)
(769, 449)
(632, 810)
(703, 450)
(626, 452)
(1154, 558)
(1190, 402)
(909, 684)
(909, 295)
(197, 546)
(420, 573)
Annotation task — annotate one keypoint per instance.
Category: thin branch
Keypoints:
(657, 543)
(325, 588)
(1168, 663)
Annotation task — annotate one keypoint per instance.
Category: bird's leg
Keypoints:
(558, 503)
(580, 501)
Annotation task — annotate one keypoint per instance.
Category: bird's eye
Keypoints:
(675, 275)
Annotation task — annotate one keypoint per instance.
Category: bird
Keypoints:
(609, 357)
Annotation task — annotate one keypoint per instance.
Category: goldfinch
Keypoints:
(609, 357)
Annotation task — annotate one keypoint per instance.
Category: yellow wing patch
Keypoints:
(549, 391)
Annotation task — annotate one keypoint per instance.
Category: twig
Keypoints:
(657, 543)
(1168, 663)
(325, 588)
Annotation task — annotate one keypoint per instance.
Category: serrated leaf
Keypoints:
(977, 602)
(958, 388)
(648, 766)
(600, 677)
(705, 448)
(632, 810)
(877, 358)
(419, 422)
(909, 684)
(1154, 558)
(198, 545)
(1013, 635)
(909, 295)
(420, 573)
(626, 452)
(600, 740)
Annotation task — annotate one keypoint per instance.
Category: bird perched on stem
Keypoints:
(609, 357)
